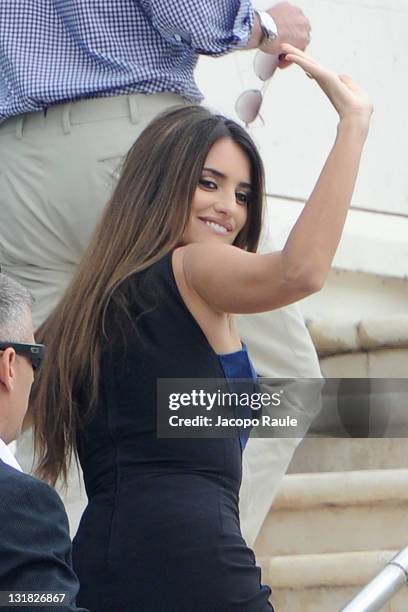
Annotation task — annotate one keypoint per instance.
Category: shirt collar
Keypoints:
(7, 456)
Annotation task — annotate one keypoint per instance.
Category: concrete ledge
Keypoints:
(369, 334)
(323, 570)
(354, 488)
(383, 331)
(333, 338)
(353, 454)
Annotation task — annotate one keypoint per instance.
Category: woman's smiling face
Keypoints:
(220, 204)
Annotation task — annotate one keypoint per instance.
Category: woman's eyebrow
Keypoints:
(223, 176)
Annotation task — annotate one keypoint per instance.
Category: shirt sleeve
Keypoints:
(208, 27)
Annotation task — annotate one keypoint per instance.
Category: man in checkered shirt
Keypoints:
(79, 80)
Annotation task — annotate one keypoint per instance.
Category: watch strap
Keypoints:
(268, 27)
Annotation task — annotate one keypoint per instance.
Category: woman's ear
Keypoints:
(7, 369)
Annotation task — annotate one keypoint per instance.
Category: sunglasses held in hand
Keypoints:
(249, 102)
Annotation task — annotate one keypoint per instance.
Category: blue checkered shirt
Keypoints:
(59, 50)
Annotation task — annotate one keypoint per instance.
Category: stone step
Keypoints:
(325, 582)
(337, 512)
(344, 454)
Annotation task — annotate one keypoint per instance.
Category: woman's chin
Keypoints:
(203, 239)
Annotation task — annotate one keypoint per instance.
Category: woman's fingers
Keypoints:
(294, 55)
(286, 48)
(311, 68)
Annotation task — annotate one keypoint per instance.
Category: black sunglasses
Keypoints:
(34, 352)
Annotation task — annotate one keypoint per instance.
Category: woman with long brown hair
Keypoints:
(172, 258)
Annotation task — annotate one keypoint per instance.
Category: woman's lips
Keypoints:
(215, 226)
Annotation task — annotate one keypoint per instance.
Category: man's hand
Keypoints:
(293, 28)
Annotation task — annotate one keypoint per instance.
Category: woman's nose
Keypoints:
(226, 204)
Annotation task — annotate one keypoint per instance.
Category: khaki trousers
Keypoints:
(57, 170)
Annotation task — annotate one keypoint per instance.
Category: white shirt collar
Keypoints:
(7, 456)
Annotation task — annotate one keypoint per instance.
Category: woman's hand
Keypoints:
(349, 100)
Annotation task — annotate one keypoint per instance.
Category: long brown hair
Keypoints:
(144, 219)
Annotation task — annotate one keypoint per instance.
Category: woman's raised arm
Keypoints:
(232, 280)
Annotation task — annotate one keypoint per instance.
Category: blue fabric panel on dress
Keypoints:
(238, 365)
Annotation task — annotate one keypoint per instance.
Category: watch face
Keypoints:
(268, 26)
(272, 29)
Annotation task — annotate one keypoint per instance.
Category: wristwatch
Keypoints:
(268, 28)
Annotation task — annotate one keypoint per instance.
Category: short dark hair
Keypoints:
(15, 302)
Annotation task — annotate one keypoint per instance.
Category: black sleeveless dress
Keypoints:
(161, 531)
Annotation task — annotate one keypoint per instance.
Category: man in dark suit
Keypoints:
(35, 548)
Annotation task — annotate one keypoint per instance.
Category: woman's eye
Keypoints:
(207, 183)
(243, 197)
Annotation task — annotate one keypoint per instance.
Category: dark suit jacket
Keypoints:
(35, 547)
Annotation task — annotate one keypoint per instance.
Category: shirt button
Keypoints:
(177, 38)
